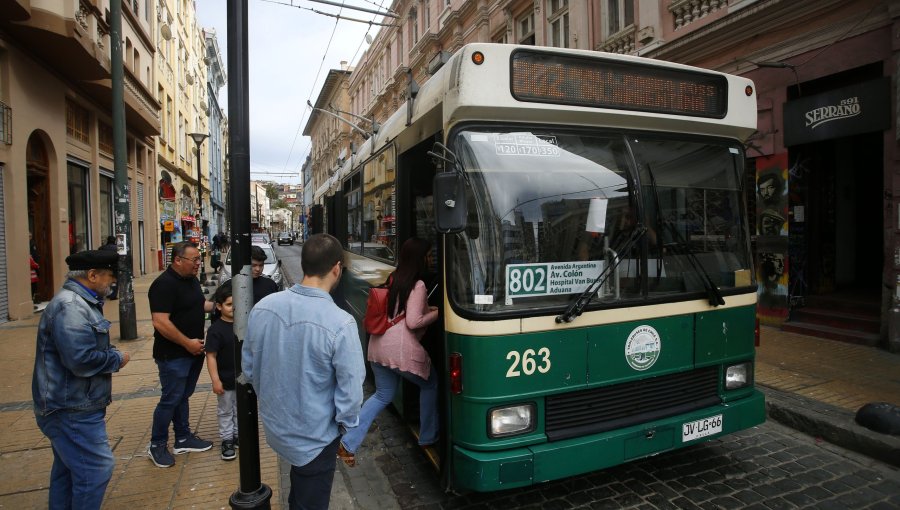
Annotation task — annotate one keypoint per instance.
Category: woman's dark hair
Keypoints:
(411, 268)
(110, 239)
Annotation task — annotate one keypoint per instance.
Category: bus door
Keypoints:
(414, 199)
(332, 203)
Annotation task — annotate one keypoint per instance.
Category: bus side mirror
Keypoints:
(450, 210)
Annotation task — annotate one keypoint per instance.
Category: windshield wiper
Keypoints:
(712, 292)
(577, 307)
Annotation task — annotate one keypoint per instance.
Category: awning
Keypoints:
(321, 191)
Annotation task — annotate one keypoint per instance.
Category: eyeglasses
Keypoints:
(195, 260)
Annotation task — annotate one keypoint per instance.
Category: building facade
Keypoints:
(822, 174)
(217, 132)
(260, 211)
(56, 140)
(183, 95)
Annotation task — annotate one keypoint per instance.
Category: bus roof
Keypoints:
(465, 91)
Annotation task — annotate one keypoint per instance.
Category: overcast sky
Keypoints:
(288, 64)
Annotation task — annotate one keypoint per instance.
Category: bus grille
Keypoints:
(612, 407)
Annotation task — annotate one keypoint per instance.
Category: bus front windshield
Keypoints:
(550, 210)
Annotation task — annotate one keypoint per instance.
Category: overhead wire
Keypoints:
(307, 148)
(316, 79)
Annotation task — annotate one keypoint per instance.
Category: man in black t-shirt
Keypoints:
(262, 285)
(177, 308)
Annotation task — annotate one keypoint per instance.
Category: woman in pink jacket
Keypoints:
(398, 352)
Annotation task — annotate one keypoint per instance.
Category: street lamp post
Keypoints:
(198, 140)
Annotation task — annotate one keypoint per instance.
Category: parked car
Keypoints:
(285, 238)
(372, 249)
(271, 270)
(260, 237)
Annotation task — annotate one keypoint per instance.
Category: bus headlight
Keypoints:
(737, 376)
(508, 421)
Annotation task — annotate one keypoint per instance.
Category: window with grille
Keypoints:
(140, 203)
(106, 138)
(78, 122)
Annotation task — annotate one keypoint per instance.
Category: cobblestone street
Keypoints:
(767, 467)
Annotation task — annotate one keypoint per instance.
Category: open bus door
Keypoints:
(415, 200)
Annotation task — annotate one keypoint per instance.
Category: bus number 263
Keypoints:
(527, 362)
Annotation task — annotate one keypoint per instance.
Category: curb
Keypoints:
(835, 425)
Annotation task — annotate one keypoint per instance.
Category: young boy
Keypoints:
(220, 341)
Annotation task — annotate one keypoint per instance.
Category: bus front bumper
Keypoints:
(485, 471)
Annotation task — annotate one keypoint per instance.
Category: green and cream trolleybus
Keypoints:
(593, 264)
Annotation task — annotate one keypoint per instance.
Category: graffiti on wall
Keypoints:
(772, 271)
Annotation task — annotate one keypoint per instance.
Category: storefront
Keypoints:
(823, 200)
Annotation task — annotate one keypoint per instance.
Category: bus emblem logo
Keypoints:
(642, 348)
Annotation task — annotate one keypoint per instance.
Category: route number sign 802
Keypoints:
(523, 280)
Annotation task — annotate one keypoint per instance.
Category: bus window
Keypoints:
(379, 208)
(696, 205)
(353, 206)
(528, 244)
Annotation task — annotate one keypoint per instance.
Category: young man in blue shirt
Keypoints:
(303, 357)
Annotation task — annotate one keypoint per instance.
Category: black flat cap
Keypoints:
(93, 259)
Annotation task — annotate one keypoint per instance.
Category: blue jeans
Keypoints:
(178, 378)
(386, 381)
(311, 484)
(82, 460)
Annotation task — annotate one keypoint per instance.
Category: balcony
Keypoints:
(620, 42)
(685, 12)
(141, 108)
(77, 47)
(15, 10)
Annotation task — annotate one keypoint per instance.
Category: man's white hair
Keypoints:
(78, 273)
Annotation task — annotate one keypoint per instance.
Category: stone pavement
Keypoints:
(812, 384)
(816, 386)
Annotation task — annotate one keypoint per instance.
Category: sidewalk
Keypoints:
(198, 480)
(816, 386)
(811, 384)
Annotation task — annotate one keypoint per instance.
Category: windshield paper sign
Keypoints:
(525, 144)
(527, 280)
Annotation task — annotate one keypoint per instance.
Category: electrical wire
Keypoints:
(841, 38)
(308, 143)
(318, 72)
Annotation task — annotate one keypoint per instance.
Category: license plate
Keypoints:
(701, 428)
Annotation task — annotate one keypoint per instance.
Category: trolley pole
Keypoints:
(127, 317)
(252, 493)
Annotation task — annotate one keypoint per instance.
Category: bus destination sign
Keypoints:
(529, 280)
(545, 77)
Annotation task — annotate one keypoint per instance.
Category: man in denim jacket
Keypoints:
(72, 382)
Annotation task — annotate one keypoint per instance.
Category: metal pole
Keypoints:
(200, 214)
(252, 493)
(198, 139)
(127, 317)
